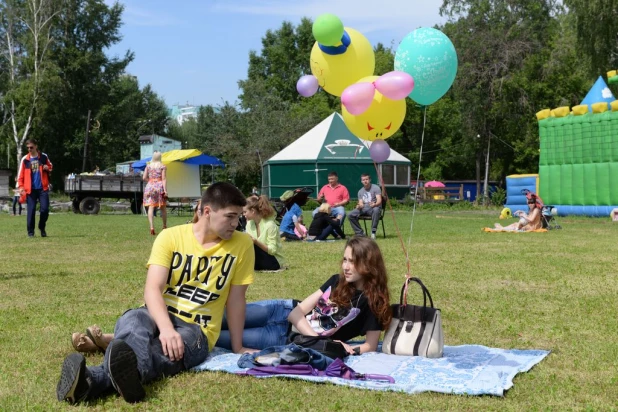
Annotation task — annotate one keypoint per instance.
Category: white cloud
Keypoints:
(363, 15)
(138, 16)
(141, 17)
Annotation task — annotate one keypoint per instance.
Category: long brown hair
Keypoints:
(260, 205)
(369, 263)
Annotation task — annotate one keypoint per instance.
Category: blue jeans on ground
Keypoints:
(334, 212)
(41, 196)
(374, 212)
(266, 324)
(15, 203)
(137, 328)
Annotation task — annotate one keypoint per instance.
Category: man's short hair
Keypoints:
(32, 141)
(365, 175)
(333, 174)
(221, 195)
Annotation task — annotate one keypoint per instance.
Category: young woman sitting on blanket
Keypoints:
(527, 221)
(353, 303)
(264, 231)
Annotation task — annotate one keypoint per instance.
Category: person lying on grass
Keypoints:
(353, 303)
(194, 272)
(527, 221)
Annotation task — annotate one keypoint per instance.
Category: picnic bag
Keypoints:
(322, 344)
(414, 330)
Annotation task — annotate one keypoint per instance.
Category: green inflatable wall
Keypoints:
(578, 164)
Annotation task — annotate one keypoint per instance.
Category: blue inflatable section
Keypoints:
(595, 211)
(515, 200)
(599, 92)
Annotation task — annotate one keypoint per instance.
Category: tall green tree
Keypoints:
(503, 78)
(86, 80)
(284, 58)
(597, 32)
(26, 36)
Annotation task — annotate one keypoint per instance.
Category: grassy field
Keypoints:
(553, 291)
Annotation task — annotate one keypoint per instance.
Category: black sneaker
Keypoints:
(123, 371)
(74, 384)
(43, 233)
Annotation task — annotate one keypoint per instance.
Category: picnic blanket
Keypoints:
(463, 370)
(494, 230)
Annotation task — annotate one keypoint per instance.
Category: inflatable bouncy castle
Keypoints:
(515, 185)
(578, 164)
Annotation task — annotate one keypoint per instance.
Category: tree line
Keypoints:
(54, 70)
(515, 58)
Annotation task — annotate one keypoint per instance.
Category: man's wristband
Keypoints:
(356, 351)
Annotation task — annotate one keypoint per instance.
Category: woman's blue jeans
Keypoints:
(266, 324)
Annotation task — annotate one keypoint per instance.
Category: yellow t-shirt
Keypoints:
(199, 279)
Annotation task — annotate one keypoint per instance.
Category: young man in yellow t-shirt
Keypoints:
(195, 271)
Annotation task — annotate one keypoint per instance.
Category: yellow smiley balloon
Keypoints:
(383, 118)
(334, 71)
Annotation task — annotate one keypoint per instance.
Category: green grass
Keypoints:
(553, 291)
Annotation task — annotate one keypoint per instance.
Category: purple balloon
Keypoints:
(307, 85)
(379, 151)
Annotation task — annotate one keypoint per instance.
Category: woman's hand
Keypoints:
(347, 347)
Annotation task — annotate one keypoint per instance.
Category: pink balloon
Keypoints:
(395, 85)
(307, 85)
(358, 97)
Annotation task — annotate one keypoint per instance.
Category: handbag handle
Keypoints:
(403, 297)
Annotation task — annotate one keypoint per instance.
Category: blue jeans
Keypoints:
(15, 203)
(334, 212)
(41, 196)
(137, 328)
(266, 324)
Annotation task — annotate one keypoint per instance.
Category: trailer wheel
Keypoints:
(90, 206)
(136, 206)
(75, 206)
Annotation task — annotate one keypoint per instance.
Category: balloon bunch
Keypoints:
(373, 108)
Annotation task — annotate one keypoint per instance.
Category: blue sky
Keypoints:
(195, 51)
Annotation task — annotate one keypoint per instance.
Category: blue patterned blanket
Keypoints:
(466, 369)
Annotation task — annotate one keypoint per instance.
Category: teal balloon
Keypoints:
(429, 56)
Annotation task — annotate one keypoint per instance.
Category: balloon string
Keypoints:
(392, 213)
(418, 176)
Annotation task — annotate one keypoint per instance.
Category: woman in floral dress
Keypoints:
(155, 193)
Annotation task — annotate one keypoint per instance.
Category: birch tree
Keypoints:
(26, 35)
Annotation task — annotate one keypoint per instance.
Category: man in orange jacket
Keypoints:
(33, 180)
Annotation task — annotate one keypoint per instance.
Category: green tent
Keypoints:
(330, 146)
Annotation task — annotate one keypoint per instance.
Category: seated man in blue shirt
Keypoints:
(290, 219)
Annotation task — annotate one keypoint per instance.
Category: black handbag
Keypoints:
(322, 344)
(414, 330)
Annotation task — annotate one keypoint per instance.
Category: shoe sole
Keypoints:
(73, 369)
(123, 371)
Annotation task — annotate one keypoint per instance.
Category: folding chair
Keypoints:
(366, 218)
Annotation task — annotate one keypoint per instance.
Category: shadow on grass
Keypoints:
(8, 276)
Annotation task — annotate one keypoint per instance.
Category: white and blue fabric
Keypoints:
(463, 370)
